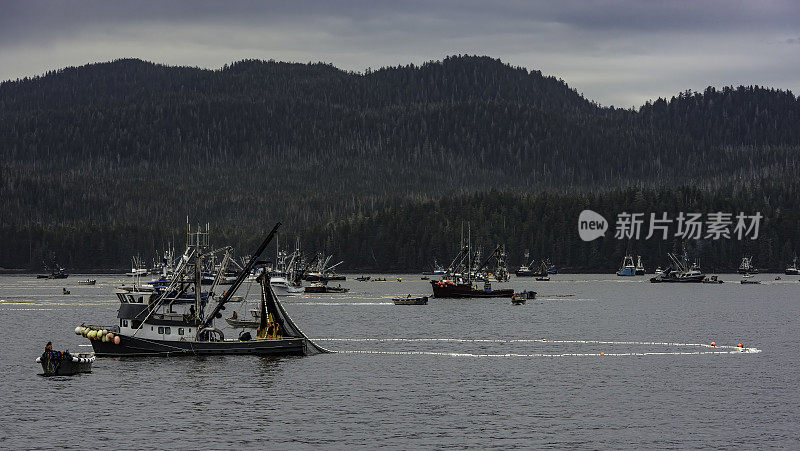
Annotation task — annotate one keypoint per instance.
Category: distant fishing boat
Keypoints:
(458, 281)
(363, 278)
(793, 270)
(87, 282)
(551, 268)
(319, 271)
(627, 268)
(681, 271)
(525, 269)
(55, 270)
(438, 270)
(639, 266)
(542, 273)
(746, 266)
(138, 269)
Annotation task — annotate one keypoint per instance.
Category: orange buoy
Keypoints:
(116, 339)
(602, 353)
(713, 343)
(741, 345)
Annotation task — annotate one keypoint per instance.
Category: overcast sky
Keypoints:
(620, 53)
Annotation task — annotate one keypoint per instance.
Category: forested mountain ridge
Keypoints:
(135, 146)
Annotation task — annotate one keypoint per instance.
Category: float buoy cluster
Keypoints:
(93, 333)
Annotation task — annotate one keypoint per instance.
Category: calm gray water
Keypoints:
(452, 393)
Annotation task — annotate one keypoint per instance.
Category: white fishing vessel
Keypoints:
(179, 319)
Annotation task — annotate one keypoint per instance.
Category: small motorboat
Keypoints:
(712, 279)
(542, 279)
(518, 298)
(424, 278)
(65, 291)
(411, 301)
(363, 278)
(87, 282)
(57, 363)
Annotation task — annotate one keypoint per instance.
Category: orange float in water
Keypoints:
(713, 343)
(741, 345)
(602, 353)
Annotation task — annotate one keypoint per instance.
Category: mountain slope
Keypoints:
(132, 143)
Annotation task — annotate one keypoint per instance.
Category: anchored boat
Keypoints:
(179, 319)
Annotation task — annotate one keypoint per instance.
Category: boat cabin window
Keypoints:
(135, 323)
(167, 330)
(160, 330)
(139, 300)
(123, 323)
(180, 331)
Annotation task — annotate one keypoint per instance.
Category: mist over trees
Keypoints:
(114, 156)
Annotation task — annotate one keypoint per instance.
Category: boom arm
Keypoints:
(242, 276)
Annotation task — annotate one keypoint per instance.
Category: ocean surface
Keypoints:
(596, 361)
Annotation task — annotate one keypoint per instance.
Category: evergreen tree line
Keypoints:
(123, 152)
(412, 236)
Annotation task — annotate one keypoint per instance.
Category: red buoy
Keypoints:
(741, 345)
(713, 343)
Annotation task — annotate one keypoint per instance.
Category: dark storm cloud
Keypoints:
(621, 52)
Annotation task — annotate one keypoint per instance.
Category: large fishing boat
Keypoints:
(458, 281)
(680, 271)
(319, 271)
(179, 319)
(525, 269)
